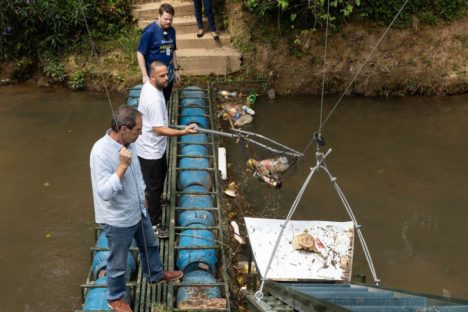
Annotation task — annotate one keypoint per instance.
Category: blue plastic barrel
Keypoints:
(198, 138)
(100, 258)
(194, 150)
(194, 115)
(192, 94)
(194, 177)
(193, 238)
(190, 292)
(191, 88)
(193, 102)
(134, 95)
(191, 217)
(96, 298)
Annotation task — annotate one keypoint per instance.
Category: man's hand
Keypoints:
(145, 79)
(125, 157)
(190, 129)
(177, 77)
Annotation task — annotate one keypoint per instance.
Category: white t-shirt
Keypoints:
(152, 107)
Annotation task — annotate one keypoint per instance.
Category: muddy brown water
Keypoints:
(401, 163)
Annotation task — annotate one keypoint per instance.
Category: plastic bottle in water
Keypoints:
(248, 110)
(227, 94)
(252, 97)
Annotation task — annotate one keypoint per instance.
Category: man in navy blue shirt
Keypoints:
(158, 43)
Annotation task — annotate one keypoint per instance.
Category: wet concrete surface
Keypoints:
(401, 163)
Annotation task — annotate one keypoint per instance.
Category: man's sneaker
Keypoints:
(119, 306)
(161, 231)
(172, 275)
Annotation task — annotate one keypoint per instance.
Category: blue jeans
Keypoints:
(120, 239)
(208, 13)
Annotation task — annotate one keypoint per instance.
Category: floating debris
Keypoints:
(231, 190)
(243, 120)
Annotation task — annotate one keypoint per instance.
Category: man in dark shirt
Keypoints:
(158, 43)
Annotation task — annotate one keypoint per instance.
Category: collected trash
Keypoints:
(248, 110)
(269, 167)
(304, 241)
(227, 94)
(243, 120)
(270, 180)
(252, 97)
(231, 190)
(237, 236)
(268, 170)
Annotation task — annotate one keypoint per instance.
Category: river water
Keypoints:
(399, 161)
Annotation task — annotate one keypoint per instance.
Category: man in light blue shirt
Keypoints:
(119, 205)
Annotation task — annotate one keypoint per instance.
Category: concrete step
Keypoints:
(182, 25)
(191, 41)
(220, 61)
(150, 10)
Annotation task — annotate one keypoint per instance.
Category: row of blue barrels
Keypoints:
(96, 297)
(195, 182)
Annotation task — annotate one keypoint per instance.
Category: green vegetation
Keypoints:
(33, 27)
(77, 80)
(53, 68)
(305, 14)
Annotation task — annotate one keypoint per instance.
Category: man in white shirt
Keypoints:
(151, 145)
(119, 205)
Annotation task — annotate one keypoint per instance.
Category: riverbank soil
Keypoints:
(418, 60)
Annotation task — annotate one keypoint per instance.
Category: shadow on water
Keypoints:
(402, 165)
(47, 216)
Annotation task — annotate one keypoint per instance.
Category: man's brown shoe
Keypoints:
(119, 306)
(171, 275)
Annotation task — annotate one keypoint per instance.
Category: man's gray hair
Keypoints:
(124, 116)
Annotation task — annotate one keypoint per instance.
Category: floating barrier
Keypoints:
(100, 258)
(198, 245)
(188, 176)
(194, 150)
(191, 102)
(96, 298)
(133, 97)
(195, 115)
(197, 238)
(190, 217)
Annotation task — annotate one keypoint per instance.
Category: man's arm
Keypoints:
(107, 179)
(176, 68)
(190, 129)
(142, 65)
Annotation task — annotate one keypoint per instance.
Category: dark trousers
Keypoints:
(154, 173)
(167, 91)
(208, 13)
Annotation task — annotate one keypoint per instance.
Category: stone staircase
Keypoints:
(196, 56)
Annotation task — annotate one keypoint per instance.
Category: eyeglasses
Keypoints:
(166, 35)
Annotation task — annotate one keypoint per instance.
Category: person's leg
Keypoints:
(197, 5)
(119, 240)
(151, 176)
(209, 15)
(149, 251)
(167, 91)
